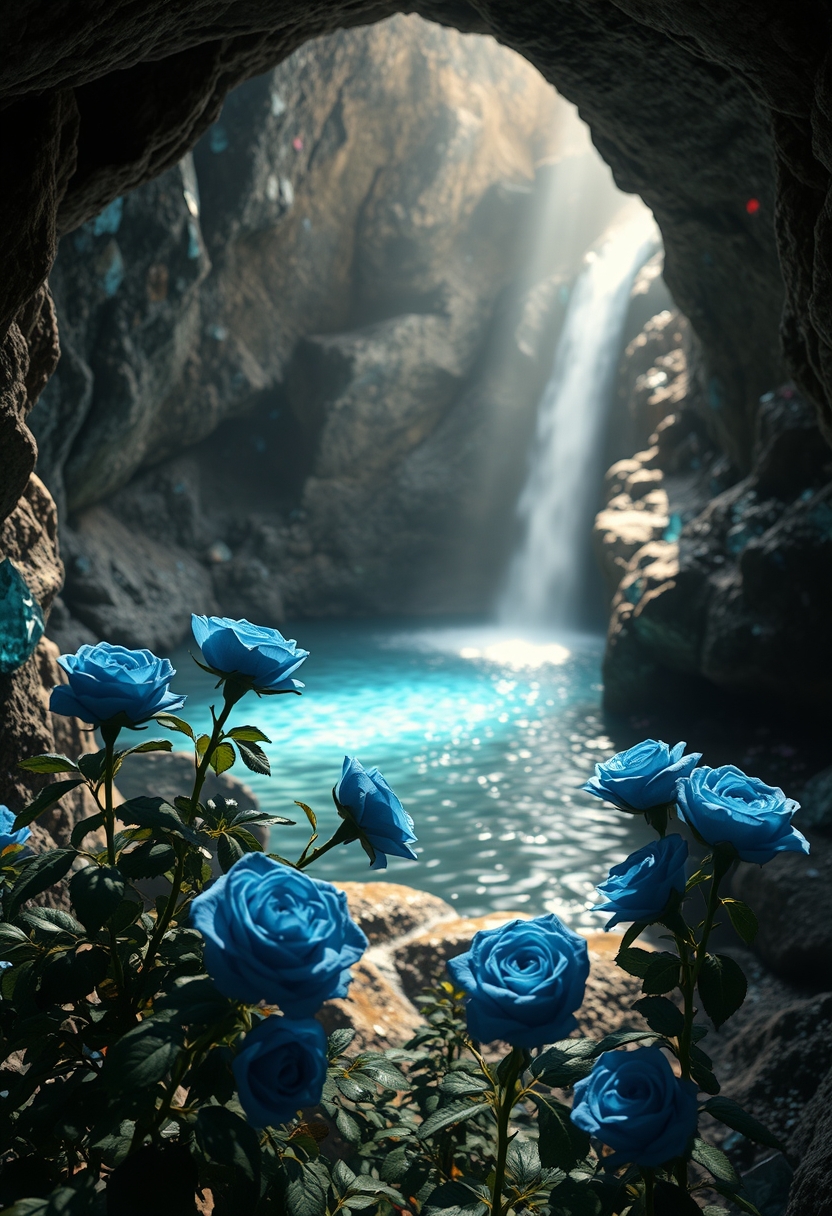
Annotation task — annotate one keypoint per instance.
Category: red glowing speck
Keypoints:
(752, 206)
(297, 144)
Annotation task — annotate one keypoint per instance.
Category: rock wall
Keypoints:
(714, 576)
(347, 296)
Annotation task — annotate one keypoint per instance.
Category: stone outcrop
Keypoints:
(715, 578)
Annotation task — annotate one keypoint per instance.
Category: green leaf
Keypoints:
(40, 873)
(11, 936)
(454, 1199)
(142, 1057)
(156, 813)
(716, 1162)
(223, 758)
(742, 918)
(385, 1074)
(250, 844)
(348, 1127)
(662, 974)
(564, 1063)
(633, 933)
(229, 851)
(309, 813)
(732, 1115)
(339, 1041)
(149, 860)
(449, 1116)
(462, 1084)
(91, 824)
(227, 1139)
(737, 1198)
(202, 745)
(254, 758)
(150, 745)
(194, 1001)
(248, 734)
(661, 1015)
(619, 1038)
(171, 722)
(573, 1198)
(91, 764)
(49, 762)
(47, 797)
(96, 892)
(71, 976)
(634, 960)
(562, 1145)
(703, 1077)
(306, 1193)
(722, 987)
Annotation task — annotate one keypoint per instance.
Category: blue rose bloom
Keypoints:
(725, 805)
(110, 682)
(274, 934)
(376, 810)
(633, 1103)
(7, 835)
(642, 777)
(638, 889)
(261, 655)
(523, 981)
(280, 1068)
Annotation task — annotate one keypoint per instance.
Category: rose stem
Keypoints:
(505, 1105)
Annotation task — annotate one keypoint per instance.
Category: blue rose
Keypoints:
(642, 777)
(638, 889)
(376, 811)
(523, 981)
(7, 836)
(263, 656)
(633, 1103)
(724, 805)
(109, 682)
(280, 1068)
(274, 934)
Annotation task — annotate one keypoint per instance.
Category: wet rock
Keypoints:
(375, 1008)
(128, 589)
(815, 812)
(420, 961)
(386, 911)
(778, 1061)
(714, 577)
(792, 896)
(767, 1185)
(811, 1192)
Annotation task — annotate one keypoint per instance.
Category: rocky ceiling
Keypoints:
(716, 112)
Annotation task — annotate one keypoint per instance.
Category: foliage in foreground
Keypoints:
(159, 1037)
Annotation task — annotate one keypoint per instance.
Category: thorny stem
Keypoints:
(505, 1105)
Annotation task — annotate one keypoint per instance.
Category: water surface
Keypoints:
(485, 735)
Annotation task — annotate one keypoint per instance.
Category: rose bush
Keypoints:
(280, 1067)
(262, 656)
(633, 1103)
(639, 888)
(642, 777)
(376, 812)
(523, 981)
(723, 805)
(112, 684)
(274, 934)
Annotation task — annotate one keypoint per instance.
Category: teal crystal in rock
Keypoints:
(21, 620)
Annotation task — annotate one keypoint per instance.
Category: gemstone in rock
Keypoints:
(21, 620)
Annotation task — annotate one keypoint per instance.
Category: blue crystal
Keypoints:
(21, 620)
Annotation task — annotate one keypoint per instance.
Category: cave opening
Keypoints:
(309, 374)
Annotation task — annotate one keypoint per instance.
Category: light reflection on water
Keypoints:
(486, 738)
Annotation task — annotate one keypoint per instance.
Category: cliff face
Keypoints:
(714, 577)
(350, 295)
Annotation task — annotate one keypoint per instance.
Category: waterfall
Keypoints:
(546, 574)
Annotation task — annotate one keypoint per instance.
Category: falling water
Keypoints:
(545, 578)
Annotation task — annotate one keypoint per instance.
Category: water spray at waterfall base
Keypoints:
(546, 577)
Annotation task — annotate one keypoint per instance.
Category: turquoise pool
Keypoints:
(486, 736)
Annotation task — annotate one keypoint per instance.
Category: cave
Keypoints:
(217, 279)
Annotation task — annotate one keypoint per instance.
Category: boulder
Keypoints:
(811, 1192)
(387, 911)
(375, 1008)
(792, 897)
(815, 812)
